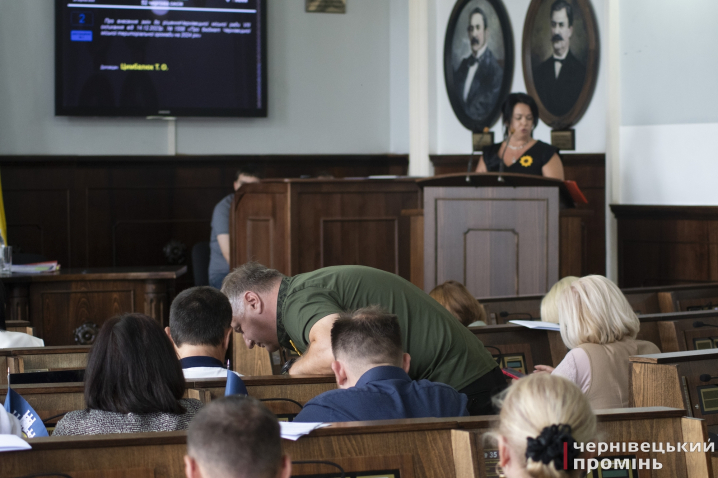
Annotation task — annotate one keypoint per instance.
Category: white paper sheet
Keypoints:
(13, 443)
(294, 430)
(536, 324)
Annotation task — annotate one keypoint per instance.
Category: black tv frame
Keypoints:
(60, 110)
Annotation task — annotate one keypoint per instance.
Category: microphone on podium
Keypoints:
(471, 158)
(698, 324)
(501, 165)
(706, 378)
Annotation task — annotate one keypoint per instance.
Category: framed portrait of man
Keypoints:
(478, 61)
(560, 56)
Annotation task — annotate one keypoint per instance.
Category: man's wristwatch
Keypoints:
(287, 366)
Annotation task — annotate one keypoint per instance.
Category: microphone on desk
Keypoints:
(503, 314)
(473, 152)
(697, 324)
(501, 165)
(706, 378)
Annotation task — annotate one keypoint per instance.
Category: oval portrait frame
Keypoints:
(593, 55)
(507, 36)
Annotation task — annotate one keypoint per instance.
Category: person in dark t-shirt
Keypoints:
(219, 237)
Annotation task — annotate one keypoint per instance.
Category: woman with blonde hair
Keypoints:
(549, 307)
(458, 300)
(599, 327)
(539, 414)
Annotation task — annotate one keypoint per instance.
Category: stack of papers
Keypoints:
(294, 430)
(536, 324)
(13, 443)
(36, 268)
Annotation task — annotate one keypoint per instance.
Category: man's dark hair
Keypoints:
(251, 276)
(370, 334)
(480, 12)
(559, 5)
(235, 435)
(133, 368)
(200, 316)
(249, 170)
(508, 108)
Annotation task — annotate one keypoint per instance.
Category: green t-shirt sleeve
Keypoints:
(305, 307)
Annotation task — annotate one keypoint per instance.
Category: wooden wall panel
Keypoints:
(665, 245)
(343, 241)
(589, 172)
(103, 211)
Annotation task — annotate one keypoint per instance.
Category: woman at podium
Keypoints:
(520, 152)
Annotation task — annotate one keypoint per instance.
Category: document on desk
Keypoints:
(294, 430)
(536, 324)
(13, 443)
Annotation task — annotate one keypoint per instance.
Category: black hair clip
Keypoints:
(549, 446)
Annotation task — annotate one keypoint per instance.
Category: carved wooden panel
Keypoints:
(63, 311)
(260, 237)
(524, 220)
(34, 227)
(664, 245)
(343, 241)
(487, 251)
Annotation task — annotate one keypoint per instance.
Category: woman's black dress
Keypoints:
(530, 162)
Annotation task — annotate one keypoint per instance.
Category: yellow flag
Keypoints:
(3, 222)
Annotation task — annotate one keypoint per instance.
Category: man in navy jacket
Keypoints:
(371, 372)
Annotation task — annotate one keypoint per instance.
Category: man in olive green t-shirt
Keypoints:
(298, 312)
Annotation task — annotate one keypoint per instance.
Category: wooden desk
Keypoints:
(676, 331)
(643, 300)
(475, 457)
(520, 347)
(672, 380)
(55, 398)
(28, 359)
(56, 304)
(435, 447)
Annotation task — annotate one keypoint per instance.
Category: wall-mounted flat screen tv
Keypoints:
(160, 58)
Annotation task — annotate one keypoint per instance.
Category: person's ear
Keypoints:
(191, 468)
(340, 373)
(285, 470)
(227, 338)
(504, 454)
(406, 362)
(169, 335)
(253, 301)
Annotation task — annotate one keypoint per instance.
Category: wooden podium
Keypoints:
(300, 225)
(498, 234)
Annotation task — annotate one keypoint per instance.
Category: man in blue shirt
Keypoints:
(200, 330)
(219, 237)
(371, 368)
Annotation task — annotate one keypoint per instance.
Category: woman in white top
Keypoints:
(599, 327)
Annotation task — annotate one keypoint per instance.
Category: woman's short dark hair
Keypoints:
(133, 368)
(508, 108)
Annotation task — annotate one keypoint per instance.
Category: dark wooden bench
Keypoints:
(52, 399)
(521, 348)
(443, 448)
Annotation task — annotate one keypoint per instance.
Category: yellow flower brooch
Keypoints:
(526, 161)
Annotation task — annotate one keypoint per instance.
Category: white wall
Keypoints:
(336, 85)
(669, 102)
(452, 138)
